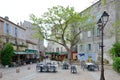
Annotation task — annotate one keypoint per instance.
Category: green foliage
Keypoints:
(38, 27)
(6, 54)
(104, 2)
(60, 25)
(115, 50)
(116, 64)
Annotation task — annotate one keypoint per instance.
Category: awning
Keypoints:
(51, 52)
(59, 53)
(31, 51)
(63, 53)
(20, 53)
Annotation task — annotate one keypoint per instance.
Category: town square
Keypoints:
(60, 40)
(32, 74)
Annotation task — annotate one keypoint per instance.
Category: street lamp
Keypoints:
(101, 24)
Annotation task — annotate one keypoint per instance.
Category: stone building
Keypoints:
(26, 47)
(11, 32)
(14, 33)
(56, 51)
(91, 39)
(32, 42)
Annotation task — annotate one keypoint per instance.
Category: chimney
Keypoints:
(6, 17)
(18, 24)
(21, 23)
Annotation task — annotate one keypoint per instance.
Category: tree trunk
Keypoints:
(69, 50)
(69, 56)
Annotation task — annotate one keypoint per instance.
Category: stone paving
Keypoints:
(32, 74)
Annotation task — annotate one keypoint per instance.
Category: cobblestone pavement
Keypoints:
(32, 74)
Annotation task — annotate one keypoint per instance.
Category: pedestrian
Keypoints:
(83, 65)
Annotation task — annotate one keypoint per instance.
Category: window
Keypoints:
(98, 32)
(61, 49)
(53, 50)
(6, 28)
(89, 47)
(15, 32)
(81, 48)
(10, 30)
(81, 36)
(57, 49)
(89, 33)
(98, 15)
(99, 45)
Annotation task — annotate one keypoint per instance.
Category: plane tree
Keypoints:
(61, 25)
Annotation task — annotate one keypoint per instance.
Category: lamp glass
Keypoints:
(99, 23)
(104, 17)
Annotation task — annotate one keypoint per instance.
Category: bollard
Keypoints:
(6, 66)
(24, 63)
(28, 68)
(0, 74)
(17, 70)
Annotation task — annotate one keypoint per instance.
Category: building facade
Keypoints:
(54, 47)
(11, 32)
(32, 42)
(56, 51)
(14, 33)
(26, 47)
(89, 46)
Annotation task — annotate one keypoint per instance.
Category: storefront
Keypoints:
(26, 56)
(59, 56)
(74, 56)
(52, 55)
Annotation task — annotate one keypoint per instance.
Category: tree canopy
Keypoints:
(6, 54)
(61, 25)
(115, 50)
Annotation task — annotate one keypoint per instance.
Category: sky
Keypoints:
(20, 10)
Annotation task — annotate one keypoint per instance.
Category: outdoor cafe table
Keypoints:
(46, 67)
(90, 66)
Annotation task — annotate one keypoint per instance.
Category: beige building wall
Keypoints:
(54, 47)
(29, 36)
(11, 32)
(1, 27)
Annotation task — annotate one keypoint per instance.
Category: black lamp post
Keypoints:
(101, 24)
